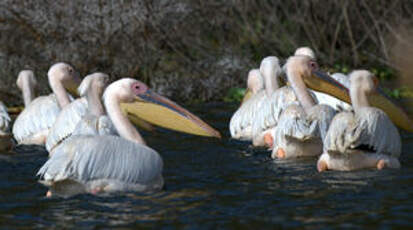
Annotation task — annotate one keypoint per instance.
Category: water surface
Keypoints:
(216, 184)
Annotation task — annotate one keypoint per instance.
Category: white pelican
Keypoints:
(5, 136)
(363, 138)
(242, 121)
(302, 126)
(71, 114)
(271, 109)
(95, 121)
(94, 164)
(254, 120)
(33, 123)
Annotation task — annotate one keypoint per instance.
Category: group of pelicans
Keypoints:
(94, 146)
(347, 122)
(92, 142)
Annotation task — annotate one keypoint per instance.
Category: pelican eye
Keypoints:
(313, 65)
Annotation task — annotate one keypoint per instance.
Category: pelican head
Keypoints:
(138, 100)
(307, 68)
(255, 83)
(305, 51)
(24, 77)
(369, 84)
(270, 69)
(97, 81)
(27, 83)
(64, 74)
(364, 81)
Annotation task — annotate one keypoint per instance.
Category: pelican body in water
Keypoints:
(302, 126)
(363, 138)
(271, 109)
(6, 142)
(32, 125)
(71, 114)
(260, 112)
(105, 163)
(241, 122)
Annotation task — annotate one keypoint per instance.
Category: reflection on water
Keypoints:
(212, 183)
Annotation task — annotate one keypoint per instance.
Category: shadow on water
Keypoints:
(212, 183)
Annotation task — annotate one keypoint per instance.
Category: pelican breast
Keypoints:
(66, 122)
(4, 120)
(241, 122)
(112, 161)
(269, 112)
(36, 118)
(92, 125)
(370, 129)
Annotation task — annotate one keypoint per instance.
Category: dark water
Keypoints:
(216, 184)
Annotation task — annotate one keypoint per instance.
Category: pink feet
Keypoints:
(280, 153)
(268, 140)
(381, 164)
(322, 166)
(49, 194)
(96, 190)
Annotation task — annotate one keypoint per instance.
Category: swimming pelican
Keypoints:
(363, 138)
(263, 126)
(33, 123)
(302, 126)
(71, 114)
(95, 121)
(271, 109)
(240, 124)
(5, 136)
(94, 164)
(242, 121)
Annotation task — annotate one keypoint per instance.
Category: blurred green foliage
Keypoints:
(235, 94)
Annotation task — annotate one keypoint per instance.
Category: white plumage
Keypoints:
(93, 125)
(65, 122)
(33, 123)
(335, 103)
(4, 120)
(71, 115)
(363, 138)
(300, 134)
(107, 162)
(5, 137)
(303, 124)
(240, 123)
(93, 161)
(261, 108)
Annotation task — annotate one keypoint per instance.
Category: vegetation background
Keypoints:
(196, 50)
